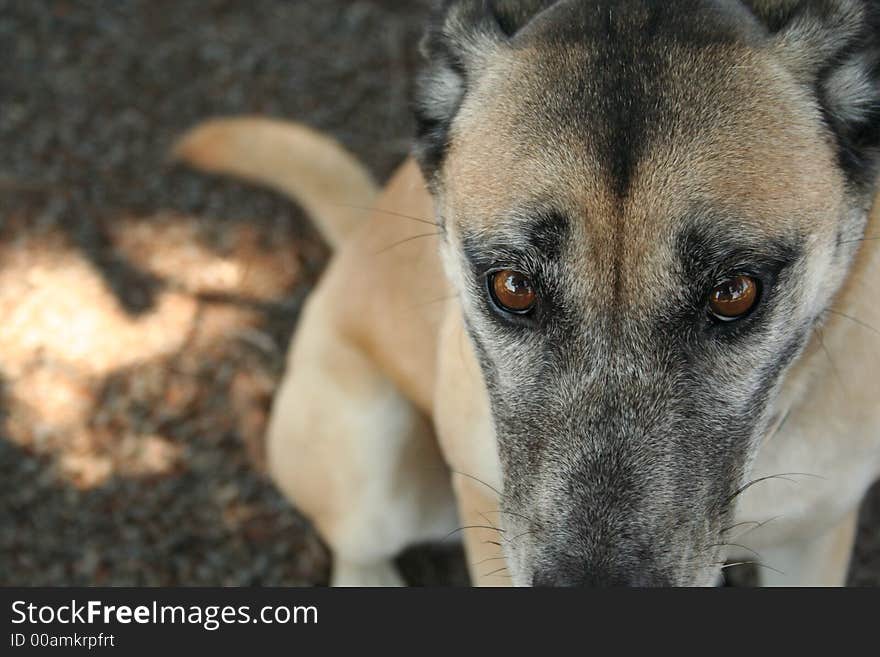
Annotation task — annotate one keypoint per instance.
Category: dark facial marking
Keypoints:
(536, 249)
(709, 254)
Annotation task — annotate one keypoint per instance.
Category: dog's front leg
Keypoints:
(483, 536)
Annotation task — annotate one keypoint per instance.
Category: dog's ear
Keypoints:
(461, 36)
(833, 48)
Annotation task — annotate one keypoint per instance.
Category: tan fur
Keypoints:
(695, 159)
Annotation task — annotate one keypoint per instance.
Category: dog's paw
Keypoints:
(379, 573)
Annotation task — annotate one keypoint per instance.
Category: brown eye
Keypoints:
(733, 298)
(512, 291)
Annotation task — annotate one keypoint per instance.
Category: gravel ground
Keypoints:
(145, 309)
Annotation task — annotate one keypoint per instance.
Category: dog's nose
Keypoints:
(592, 577)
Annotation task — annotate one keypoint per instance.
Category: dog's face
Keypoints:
(648, 208)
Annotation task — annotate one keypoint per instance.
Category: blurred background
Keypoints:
(145, 309)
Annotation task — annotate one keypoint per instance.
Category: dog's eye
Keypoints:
(512, 291)
(733, 298)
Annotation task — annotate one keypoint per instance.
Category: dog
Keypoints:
(615, 320)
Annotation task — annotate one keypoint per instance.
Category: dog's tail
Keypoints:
(315, 171)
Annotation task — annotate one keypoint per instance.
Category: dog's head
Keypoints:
(648, 207)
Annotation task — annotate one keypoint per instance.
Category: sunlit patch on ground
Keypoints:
(95, 388)
(109, 412)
